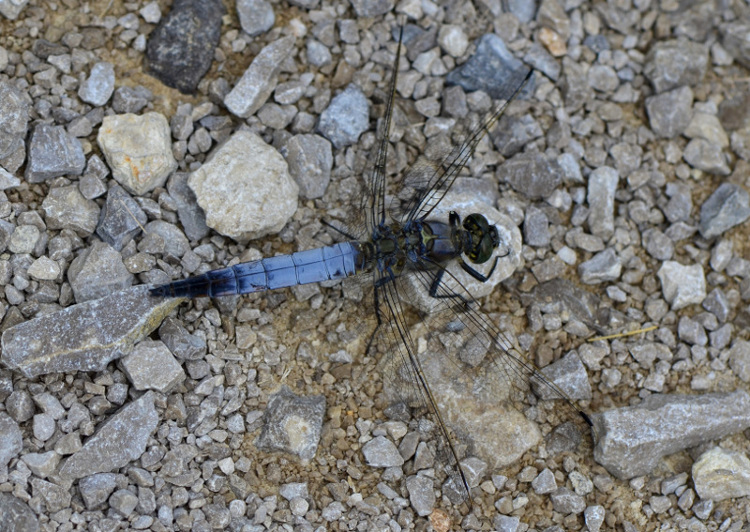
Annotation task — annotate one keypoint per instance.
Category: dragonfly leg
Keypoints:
(377, 317)
(435, 286)
(475, 274)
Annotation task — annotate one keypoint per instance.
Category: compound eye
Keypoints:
(486, 246)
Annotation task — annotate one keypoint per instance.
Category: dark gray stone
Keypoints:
(292, 424)
(371, 8)
(14, 118)
(98, 272)
(120, 219)
(492, 69)
(192, 217)
(728, 206)
(181, 48)
(53, 153)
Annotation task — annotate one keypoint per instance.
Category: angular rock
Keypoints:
(601, 198)
(701, 154)
(421, 494)
(192, 217)
(682, 285)
(721, 474)
(99, 86)
(381, 452)
(120, 219)
(181, 48)
(14, 119)
(634, 439)
(292, 424)
(53, 152)
(14, 510)
(259, 80)
(310, 161)
(11, 442)
(120, 440)
(601, 268)
(66, 208)
(669, 113)
(245, 188)
(728, 206)
(84, 337)
(492, 69)
(532, 174)
(345, 118)
(97, 272)
(735, 39)
(569, 375)
(675, 63)
(138, 149)
(152, 367)
(97, 488)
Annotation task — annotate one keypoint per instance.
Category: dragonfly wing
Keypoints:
(468, 372)
(430, 178)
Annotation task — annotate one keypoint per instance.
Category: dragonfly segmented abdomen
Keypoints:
(312, 266)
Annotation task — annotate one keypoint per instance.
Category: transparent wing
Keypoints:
(472, 377)
(431, 178)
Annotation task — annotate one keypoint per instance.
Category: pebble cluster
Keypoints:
(139, 145)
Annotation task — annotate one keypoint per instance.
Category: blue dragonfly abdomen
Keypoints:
(312, 266)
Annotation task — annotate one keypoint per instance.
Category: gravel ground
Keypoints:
(140, 146)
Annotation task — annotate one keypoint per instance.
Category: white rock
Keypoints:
(138, 149)
(245, 188)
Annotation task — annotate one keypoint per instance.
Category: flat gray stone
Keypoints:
(84, 337)
(421, 494)
(669, 113)
(532, 174)
(382, 452)
(259, 80)
(633, 440)
(53, 152)
(603, 267)
(151, 366)
(675, 63)
(292, 424)
(601, 198)
(727, 207)
(11, 442)
(17, 515)
(98, 272)
(66, 208)
(245, 188)
(119, 441)
(310, 160)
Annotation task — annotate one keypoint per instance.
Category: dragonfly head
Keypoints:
(484, 238)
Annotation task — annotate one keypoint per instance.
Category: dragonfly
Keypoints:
(397, 247)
